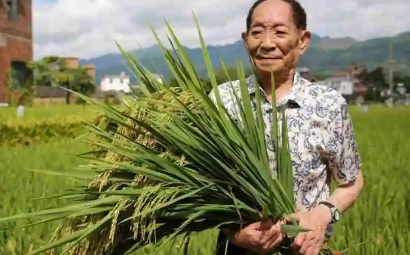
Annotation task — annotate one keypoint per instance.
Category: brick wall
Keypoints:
(15, 40)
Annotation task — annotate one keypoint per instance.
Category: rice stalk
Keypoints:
(172, 163)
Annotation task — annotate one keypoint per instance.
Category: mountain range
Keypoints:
(323, 55)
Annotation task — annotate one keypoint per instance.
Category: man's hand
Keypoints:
(259, 237)
(316, 220)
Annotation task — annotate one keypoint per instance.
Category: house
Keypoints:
(53, 93)
(306, 74)
(50, 95)
(102, 96)
(351, 88)
(16, 44)
(351, 70)
(398, 96)
(119, 83)
(344, 85)
(158, 77)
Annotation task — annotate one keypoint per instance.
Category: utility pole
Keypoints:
(409, 55)
(391, 84)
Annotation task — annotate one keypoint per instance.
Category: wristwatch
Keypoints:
(335, 214)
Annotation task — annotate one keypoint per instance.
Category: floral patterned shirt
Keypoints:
(322, 142)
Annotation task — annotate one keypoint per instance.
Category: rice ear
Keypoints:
(170, 163)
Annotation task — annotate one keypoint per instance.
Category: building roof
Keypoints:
(102, 94)
(302, 69)
(50, 92)
(116, 76)
(308, 76)
(338, 80)
(335, 82)
(156, 76)
(123, 75)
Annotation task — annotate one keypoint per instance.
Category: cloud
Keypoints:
(88, 28)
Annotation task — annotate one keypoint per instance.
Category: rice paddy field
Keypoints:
(378, 224)
(47, 112)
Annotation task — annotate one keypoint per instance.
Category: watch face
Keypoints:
(336, 215)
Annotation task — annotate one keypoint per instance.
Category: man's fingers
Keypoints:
(317, 251)
(307, 244)
(268, 234)
(261, 225)
(312, 244)
(297, 243)
(265, 225)
(310, 240)
(314, 249)
(255, 225)
(274, 242)
(268, 243)
(273, 234)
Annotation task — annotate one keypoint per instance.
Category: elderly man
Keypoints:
(321, 137)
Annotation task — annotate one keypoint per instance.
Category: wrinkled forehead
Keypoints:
(273, 12)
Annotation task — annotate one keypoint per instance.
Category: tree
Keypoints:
(52, 71)
(375, 78)
(12, 88)
(79, 81)
(320, 76)
(19, 91)
(402, 78)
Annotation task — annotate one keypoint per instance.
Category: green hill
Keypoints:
(324, 54)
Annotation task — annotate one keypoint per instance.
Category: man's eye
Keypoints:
(256, 32)
(281, 33)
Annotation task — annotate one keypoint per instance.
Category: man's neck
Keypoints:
(283, 84)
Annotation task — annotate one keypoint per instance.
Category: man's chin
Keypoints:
(268, 69)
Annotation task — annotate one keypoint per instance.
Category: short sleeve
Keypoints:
(227, 99)
(345, 161)
(212, 96)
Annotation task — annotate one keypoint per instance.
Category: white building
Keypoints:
(121, 83)
(302, 69)
(158, 78)
(344, 85)
(116, 83)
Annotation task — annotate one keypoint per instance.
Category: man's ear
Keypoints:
(304, 41)
(245, 39)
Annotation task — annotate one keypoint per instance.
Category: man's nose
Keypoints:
(268, 41)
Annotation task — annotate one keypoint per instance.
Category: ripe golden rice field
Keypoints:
(378, 224)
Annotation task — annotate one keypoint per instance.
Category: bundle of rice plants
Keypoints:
(172, 163)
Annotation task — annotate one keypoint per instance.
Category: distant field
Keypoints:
(43, 112)
(380, 218)
(42, 123)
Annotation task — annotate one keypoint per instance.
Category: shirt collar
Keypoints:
(295, 95)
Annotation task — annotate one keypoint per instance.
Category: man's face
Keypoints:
(273, 41)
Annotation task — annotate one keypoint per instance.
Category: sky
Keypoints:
(89, 28)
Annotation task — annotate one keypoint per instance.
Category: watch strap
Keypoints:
(328, 204)
(335, 214)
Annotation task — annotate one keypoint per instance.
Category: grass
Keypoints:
(47, 112)
(19, 186)
(380, 218)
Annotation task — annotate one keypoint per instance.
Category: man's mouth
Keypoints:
(267, 58)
